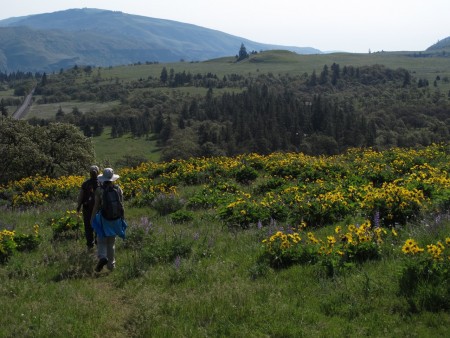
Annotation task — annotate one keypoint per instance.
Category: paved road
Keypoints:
(23, 109)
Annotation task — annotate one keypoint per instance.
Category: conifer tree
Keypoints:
(242, 53)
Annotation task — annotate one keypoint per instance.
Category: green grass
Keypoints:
(48, 111)
(109, 150)
(53, 291)
(281, 62)
(6, 93)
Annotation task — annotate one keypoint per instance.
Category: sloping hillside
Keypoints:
(443, 44)
(96, 37)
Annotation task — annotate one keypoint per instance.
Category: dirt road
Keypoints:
(23, 109)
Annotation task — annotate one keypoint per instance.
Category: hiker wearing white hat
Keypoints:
(108, 218)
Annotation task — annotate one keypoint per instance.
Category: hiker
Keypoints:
(86, 199)
(108, 218)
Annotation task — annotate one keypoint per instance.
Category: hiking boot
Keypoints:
(101, 263)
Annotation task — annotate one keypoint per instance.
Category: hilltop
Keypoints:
(51, 41)
(442, 45)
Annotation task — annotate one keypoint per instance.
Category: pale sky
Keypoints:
(328, 25)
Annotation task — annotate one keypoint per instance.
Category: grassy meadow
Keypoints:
(284, 62)
(283, 245)
(49, 110)
(110, 150)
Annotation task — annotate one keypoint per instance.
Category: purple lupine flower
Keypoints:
(260, 225)
(438, 219)
(272, 223)
(177, 263)
(376, 219)
(146, 224)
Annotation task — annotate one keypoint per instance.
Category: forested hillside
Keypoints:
(230, 107)
(318, 113)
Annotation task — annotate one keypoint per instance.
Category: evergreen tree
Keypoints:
(164, 76)
(44, 80)
(3, 109)
(313, 79)
(60, 113)
(324, 75)
(97, 128)
(158, 124)
(406, 79)
(166, 131)
(335, 73)
(86, 130)
(242, 53)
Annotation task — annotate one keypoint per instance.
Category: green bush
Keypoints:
(182, 216)
(10, 242)
(66, 226)
(7, 245)
(425, 276)
(166, 250)
(166, 204)
(246, 174)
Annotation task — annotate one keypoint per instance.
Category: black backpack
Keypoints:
(89, 188)
(112, 207)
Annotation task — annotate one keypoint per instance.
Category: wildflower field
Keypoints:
(284, 244)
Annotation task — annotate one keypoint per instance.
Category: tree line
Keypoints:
(323, 112)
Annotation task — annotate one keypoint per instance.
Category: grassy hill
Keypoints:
(285, 62)
(280, 245)
(250, 246)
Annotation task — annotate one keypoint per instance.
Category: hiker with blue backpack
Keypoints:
(108, 218)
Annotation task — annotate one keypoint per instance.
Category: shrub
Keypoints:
(28, 242)
(67, 226)
(10, 242)
(7, 245)
(246, 174)
(336, 252)
(182, 216)
(166, 204)
(166, 250)
(425, 277)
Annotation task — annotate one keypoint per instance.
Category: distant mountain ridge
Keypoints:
(51, 41)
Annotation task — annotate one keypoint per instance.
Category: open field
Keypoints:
(48, 111)
(109, 150)
(211, 269)
(282, 62)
